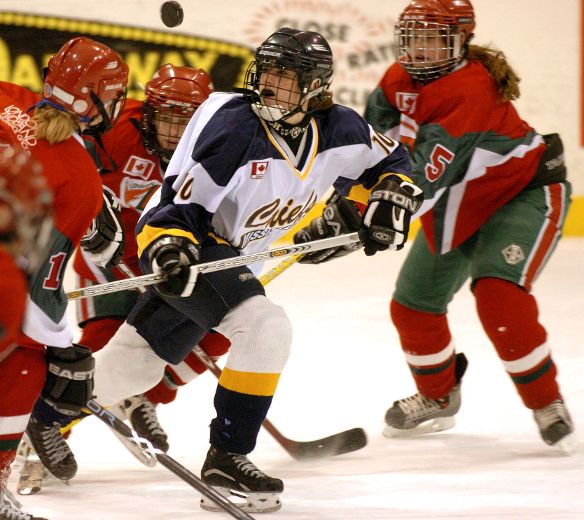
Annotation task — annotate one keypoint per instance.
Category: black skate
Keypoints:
(417, 414)
(555, 426)
(239, 479)
(10, 508)
(52, 449)
(142, 415)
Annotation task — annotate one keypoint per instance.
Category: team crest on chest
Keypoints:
(139, 167)
(406, 102)
(259, 169)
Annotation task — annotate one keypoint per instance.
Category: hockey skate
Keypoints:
(555, 426)
(52, 449)
(32, 470)
(239, 480)
(144, 421)
(10, 508)
(417, 414)
(132, 445)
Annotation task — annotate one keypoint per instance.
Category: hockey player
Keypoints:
(246, 170)
(133, 158)
(496, 199)
(25, 224)
(84, 90)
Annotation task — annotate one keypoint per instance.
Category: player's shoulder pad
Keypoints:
(341, 126)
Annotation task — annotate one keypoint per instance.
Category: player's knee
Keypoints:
(126, 366)
(261, 334)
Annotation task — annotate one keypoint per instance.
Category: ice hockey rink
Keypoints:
(345, 370)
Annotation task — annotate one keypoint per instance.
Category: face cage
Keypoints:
(174, 118)
(427, 50)
(280, 111)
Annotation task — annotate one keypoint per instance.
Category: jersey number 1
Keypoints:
(53, 280)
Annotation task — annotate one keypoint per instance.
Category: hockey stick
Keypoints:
(167, 461)
(337, 444)
(217, 265)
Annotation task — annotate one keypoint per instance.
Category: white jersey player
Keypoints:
(247, 169)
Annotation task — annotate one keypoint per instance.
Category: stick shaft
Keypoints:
(218, 265)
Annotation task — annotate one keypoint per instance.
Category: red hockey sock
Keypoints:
(509, 316)
(22, 376)
(426, 334)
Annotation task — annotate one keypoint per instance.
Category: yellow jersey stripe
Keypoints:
(150, 233)
(251, 383)
(312, 153)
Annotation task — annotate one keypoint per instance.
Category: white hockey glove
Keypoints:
(103, 243)
(174, 255)
(392, 203)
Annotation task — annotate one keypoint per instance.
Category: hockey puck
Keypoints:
(171, 14)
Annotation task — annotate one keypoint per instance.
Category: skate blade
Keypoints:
(31, 478)
(567, 445)
(248, 502)
(432, 426)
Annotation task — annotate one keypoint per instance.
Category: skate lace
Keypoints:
(552, 413)
(418, 405)
(247, 466)
(148, 412)
(10, 507)
(54, 444)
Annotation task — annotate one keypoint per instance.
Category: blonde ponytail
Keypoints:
(54, 125)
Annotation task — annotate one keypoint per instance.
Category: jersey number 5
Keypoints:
(440, 158)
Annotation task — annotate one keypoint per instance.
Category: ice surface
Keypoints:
(346, 368)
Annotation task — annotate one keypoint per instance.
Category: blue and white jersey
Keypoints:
(231, 180)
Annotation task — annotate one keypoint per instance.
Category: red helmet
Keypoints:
(432, 36)
(88, 79)
(25, 206)
(172, 97)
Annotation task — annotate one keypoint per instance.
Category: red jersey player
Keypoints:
(496, 199)
(84, 90)
(25, 225)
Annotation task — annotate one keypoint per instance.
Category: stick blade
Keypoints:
(337, 444)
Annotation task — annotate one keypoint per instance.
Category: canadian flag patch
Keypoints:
(259, 169)
(139, 167)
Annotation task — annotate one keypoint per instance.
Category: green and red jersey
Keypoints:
(471, 153)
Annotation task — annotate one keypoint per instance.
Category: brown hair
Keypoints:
(323, 101)
(54, 125)
(496, 63)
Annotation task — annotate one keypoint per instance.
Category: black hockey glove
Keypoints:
(340, 216)
(392, 203)
(104, 241)
(174, 256)
(69, 383)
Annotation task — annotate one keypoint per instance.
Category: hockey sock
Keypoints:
(427, 344)
(510, 318)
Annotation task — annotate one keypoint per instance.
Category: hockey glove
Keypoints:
(104, 241)
(173, 256)
(392, 203)
(340, 216)
(69, 383)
